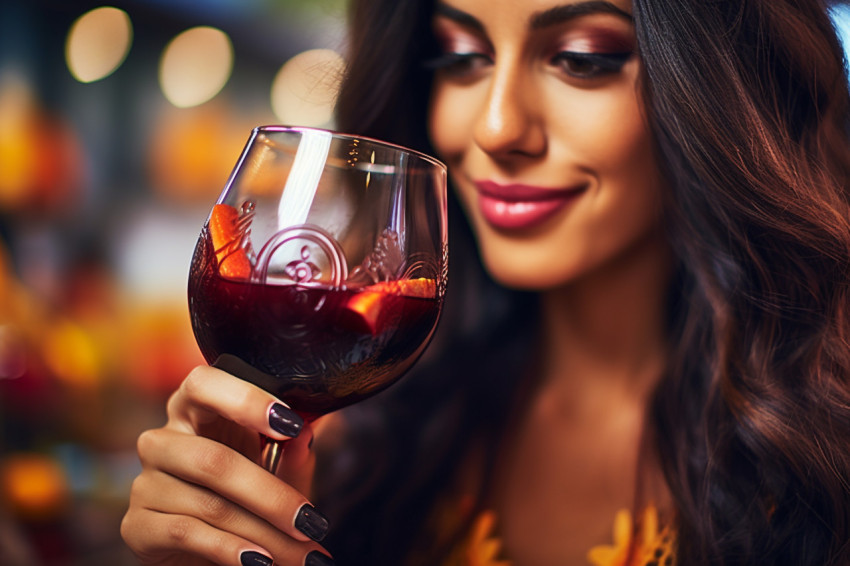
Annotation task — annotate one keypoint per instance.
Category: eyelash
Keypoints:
(457, 63)
(574, 63)
(590, 65)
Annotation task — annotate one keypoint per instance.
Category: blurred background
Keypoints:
(119, 125)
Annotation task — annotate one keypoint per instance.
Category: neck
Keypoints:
(607, 331)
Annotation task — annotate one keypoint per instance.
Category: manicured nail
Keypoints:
(311, 522)
(316, 558)
(284, 420)
(253, 558)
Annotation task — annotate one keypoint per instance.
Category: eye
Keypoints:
(590, 65)
(459, 64)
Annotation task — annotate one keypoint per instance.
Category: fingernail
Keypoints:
(284, 420)
(253, 558)
(316, 558)
(311, 522)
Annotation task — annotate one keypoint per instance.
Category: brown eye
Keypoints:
(590, 65)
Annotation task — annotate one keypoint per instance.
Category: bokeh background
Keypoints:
(119, 124)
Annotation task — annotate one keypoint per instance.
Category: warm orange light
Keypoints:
(159, 348)
(193, 151)
(18, 143)
(40, 157)
(72, 354)
(33, 485)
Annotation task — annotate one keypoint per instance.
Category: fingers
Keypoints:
(208, 394)
(155, 537)
(198, 520)
(199, 494)
(204, 462)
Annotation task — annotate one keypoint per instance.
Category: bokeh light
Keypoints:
(33, 485)
(195, 66)
(97, 43)
(192, 151)
(115, 139)
(72, 354)
(40, 155)
(305, 88)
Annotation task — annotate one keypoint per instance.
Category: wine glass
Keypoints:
(320, 272)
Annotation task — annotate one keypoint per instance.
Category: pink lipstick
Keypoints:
(517, 207)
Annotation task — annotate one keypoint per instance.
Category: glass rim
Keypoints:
(284, 128)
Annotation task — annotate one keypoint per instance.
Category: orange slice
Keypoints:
(369, 303)
(232, 259)
(422, 287)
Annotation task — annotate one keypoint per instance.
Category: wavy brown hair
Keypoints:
(749, 106)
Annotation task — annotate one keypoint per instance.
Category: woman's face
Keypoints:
(537, 112)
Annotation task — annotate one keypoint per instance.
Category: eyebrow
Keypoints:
(459, 16)
(546, 18)
(565, 12)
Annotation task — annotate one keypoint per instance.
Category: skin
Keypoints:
(514, 112)
(535, 123)
(201, 498)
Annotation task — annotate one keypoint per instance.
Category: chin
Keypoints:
(524, 275)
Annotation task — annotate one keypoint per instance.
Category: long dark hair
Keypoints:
(749, 107)
(400, 450)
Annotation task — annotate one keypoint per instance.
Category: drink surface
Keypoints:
(317, 348)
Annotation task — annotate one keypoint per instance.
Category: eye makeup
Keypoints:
(587, 53)
(596, 40)
(459, 50)
(582, 45)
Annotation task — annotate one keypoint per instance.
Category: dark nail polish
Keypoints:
(311, 522)
(316, 558)
(253, 558)
(284, 420)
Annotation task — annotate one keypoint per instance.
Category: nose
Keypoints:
(510, 122)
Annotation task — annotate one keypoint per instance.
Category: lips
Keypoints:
(518, 207)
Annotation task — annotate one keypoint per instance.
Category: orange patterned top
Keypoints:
(646, 543)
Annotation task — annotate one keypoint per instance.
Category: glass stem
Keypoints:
(272, 450)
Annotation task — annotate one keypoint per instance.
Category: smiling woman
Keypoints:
(644, 353)
(558, 150)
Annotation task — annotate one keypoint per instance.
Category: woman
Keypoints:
(658, 194)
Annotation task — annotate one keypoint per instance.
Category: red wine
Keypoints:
(317, 348)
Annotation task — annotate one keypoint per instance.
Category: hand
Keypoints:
(202, 498)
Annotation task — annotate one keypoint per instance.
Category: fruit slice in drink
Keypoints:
(226, 237)
(375, 300)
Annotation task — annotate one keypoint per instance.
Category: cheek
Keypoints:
(627, 151)
(607, 135)
(604, 128)
(450, 127)
(450, 121)
(630, 167)
(608, 132)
